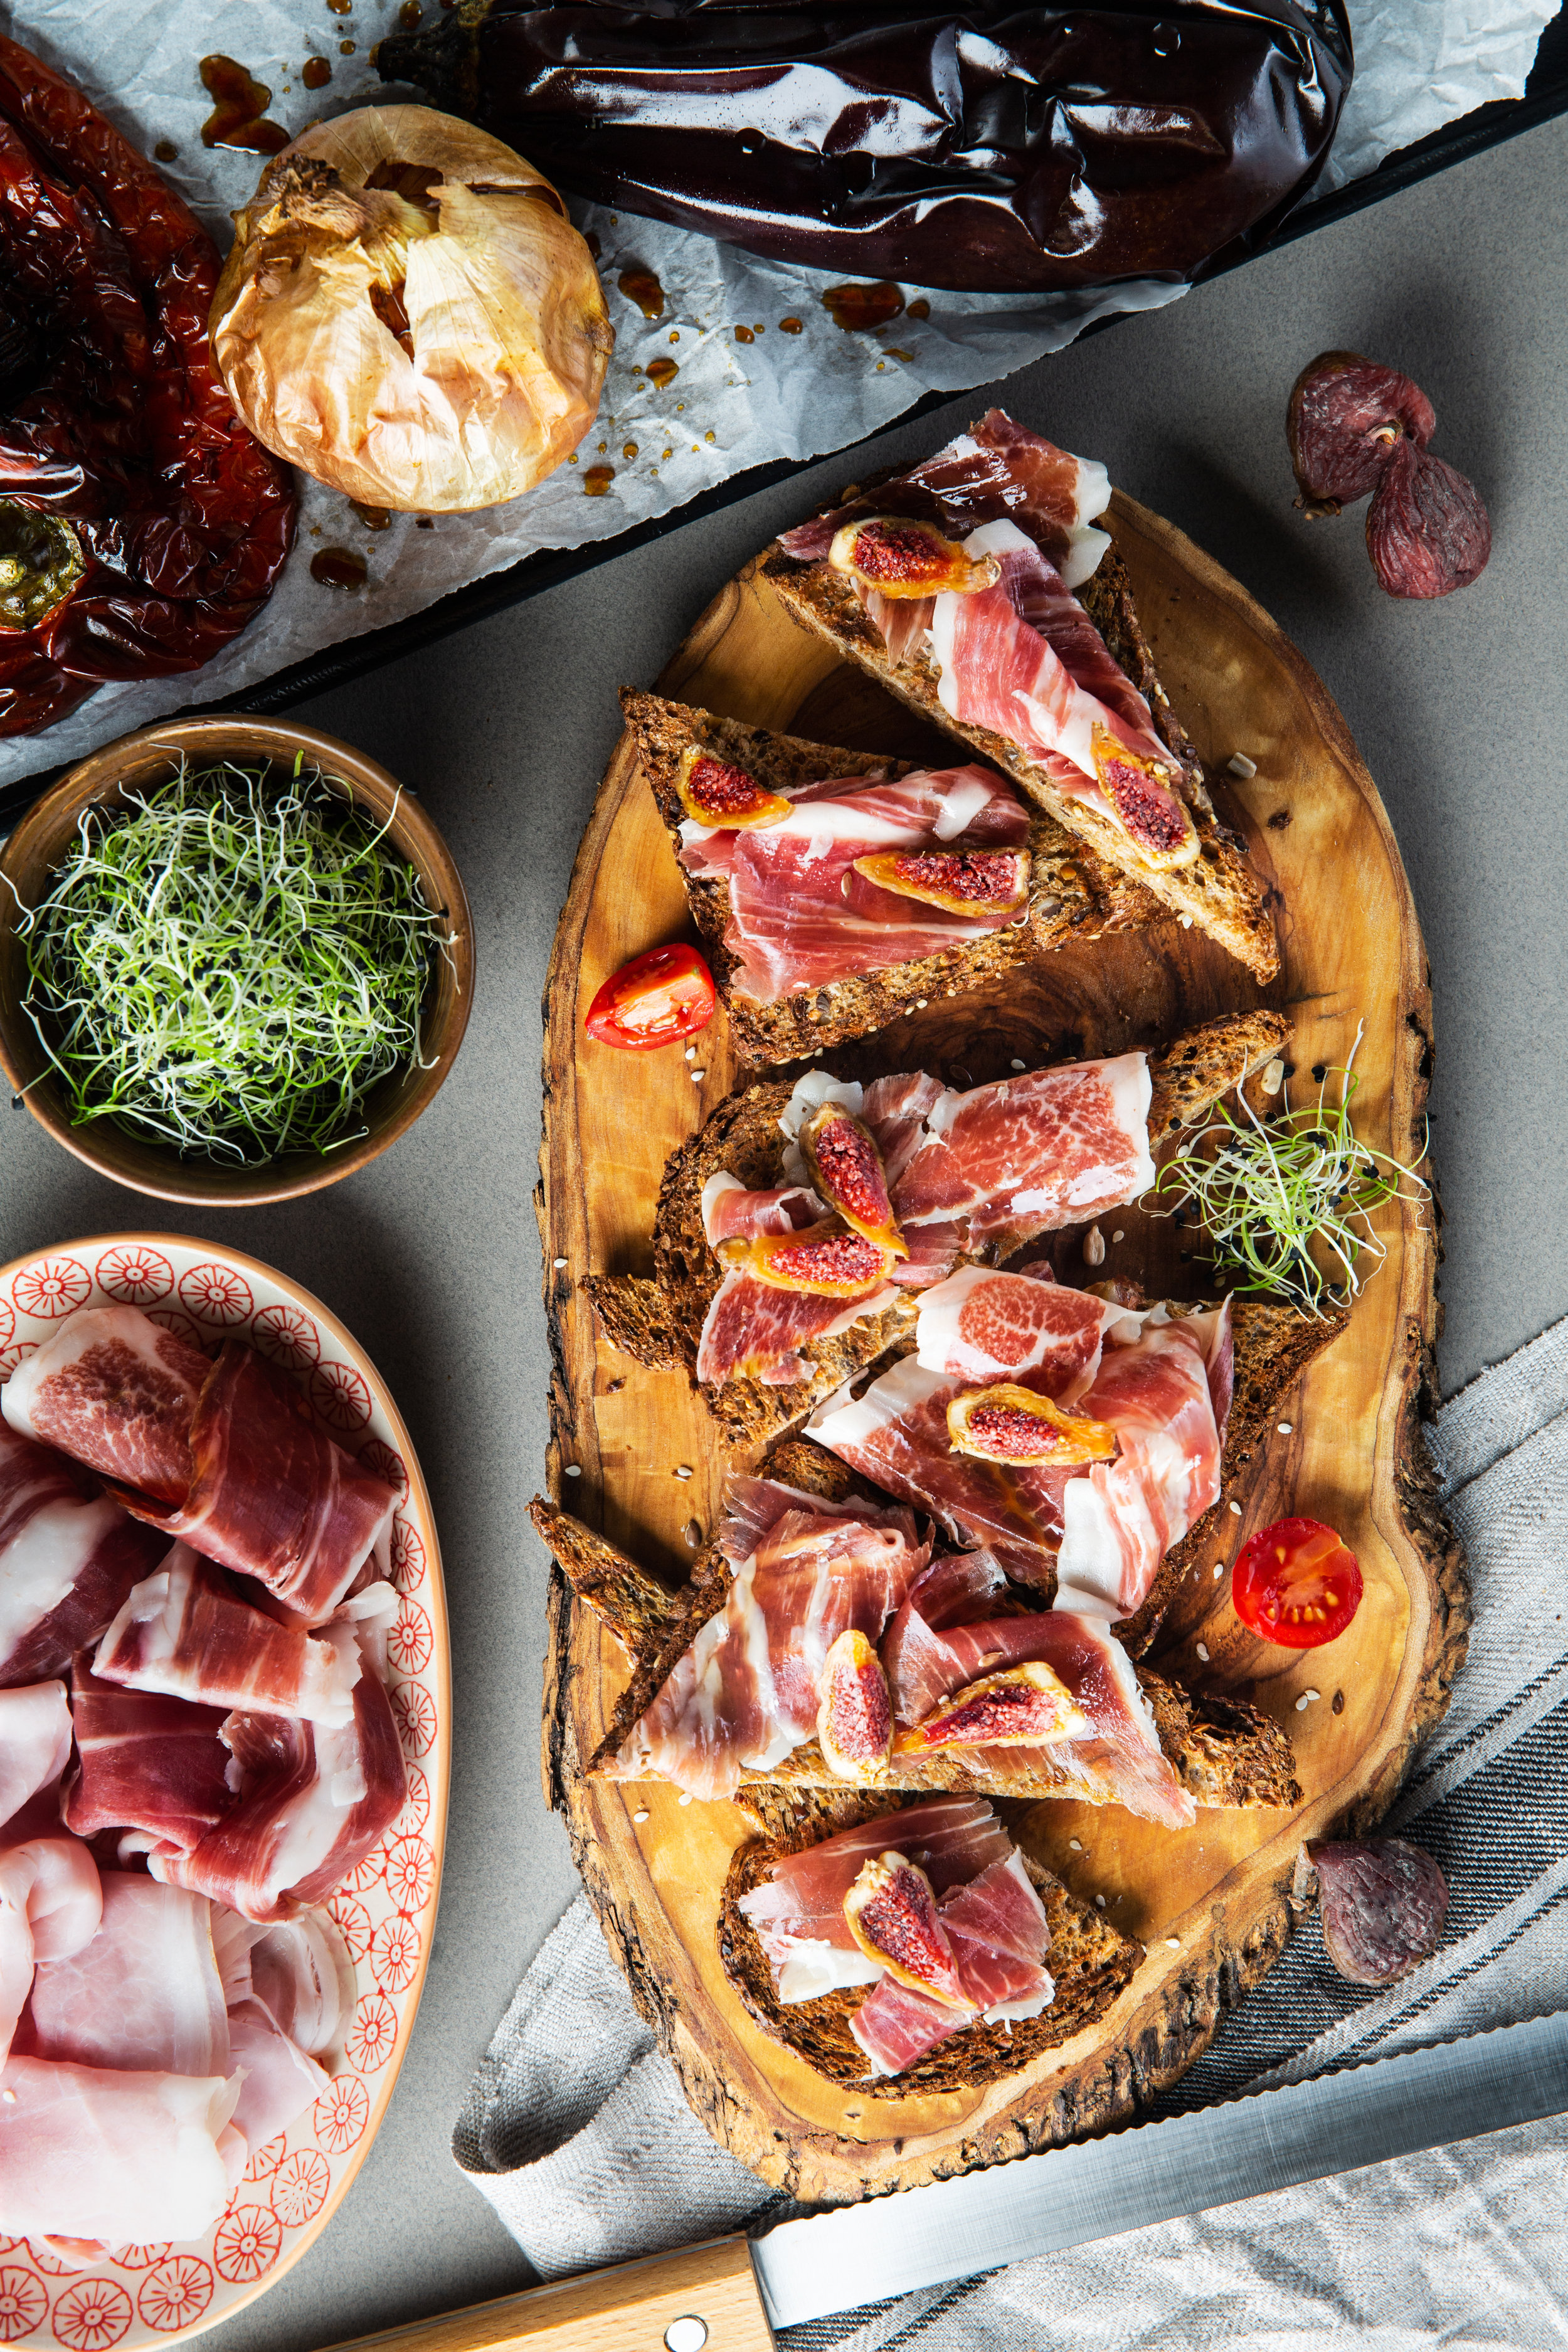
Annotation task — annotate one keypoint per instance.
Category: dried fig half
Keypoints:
(724, 797)
(1006, 1422)
(1346, 414)
(845, 1166)
(1427, 532)
(891, 1914)
(1383, 1903)
(1020, 1706)
(855, 1718)
(827, 1260)
(900, 557)
(959, 881)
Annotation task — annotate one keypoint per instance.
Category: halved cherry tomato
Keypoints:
(1296, 1584)
(653, 999)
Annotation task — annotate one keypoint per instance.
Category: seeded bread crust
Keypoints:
(1218, 891)
(1089, 1963)
(1073, 894)
(658, 1322)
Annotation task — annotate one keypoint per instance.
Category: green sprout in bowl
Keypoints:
(229, 962)
(1278, 1197)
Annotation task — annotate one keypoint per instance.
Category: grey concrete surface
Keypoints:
(431, 1256)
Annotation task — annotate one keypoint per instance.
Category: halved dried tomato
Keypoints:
(652, 1001)
(1295, 1583)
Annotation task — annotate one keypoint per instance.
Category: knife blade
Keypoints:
(728, 2294)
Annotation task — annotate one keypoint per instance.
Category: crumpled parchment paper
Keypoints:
(739, 399)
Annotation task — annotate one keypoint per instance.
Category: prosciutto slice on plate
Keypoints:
(122, 2156)
(298, 1968)
(997, 470)
(114, 1390)
(232, 1460)
(68, 1558)
(755, 1332)
(49, 1907)
(186, 1630)
(279, 2080)
(801, 917)
(151, 1766)
(311, 1803)
(34, 1743)
(747, 1689)
(143, 1994)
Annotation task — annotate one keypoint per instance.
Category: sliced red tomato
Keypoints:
(1297, 1584)
(655, 998)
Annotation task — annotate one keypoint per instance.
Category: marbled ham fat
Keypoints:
(750, 1328)
(68, 1558)
(188, 1632)
(747, 1689)
(113, 1390)
(801, 918)
(982, 1325)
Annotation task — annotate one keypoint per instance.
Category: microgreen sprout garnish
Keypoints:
(229, 962)
(1287, 1203)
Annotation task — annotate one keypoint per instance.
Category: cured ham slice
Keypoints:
(68, 1558)
(49, 1907)
(121, 2156)
(279, 2080)
(921, 1667)
(143, 1994)
(187, 1631)
(112, 1389)
(311, 1803)
(1030, 1153)
(999, 1933)
(801, 917)
(895, 1110)
(982, 1325)
(154, 1766)
(997, 470)
(756, 1332)
(896, 1434)
(1120, 1519)
(299, 1969)
(755, 1506)
(798, 1913)
(731, 1213)
(272, 1496)
(34, 1743)
(747, 1689)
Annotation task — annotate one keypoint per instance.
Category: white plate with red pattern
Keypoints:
(386, 1909)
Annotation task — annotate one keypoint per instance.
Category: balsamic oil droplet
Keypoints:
(336, 567)
(239, 105)
(596, 481)
(316, 73)
(661, 373)
(641, 286)
(856, 308)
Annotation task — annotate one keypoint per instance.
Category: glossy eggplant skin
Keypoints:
(1001, 149)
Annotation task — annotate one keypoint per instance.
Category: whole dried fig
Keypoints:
(1346, 415)
(1427, 532)
(1383, 1904)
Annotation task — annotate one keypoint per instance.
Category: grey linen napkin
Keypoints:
(575, 2128)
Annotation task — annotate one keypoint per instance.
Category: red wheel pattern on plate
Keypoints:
(52, 1287)
(7, 1320)
(366, 1874)
(410, 1872)
(379, 1457)
(353, 1920)
(372, 2036)
(50, 2263)
(23, 2303)
(135, 1275)
(287, 1335)
(246, 2242)
(216, 1294)
(409, 1640)
(340, 1396)
(416, 1805)
(11, 1357)
(169, 1319)
(341, 2113)
(175, 2293)
(92, 2315)
(407, 1556)
(266, 2159)
(299, 2186)
(413, 1711)
(140, 2258)
(394, 1954)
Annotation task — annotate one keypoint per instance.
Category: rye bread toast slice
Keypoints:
(1073, 894)
(1218, 890)
(658, 1320)
(1090, 1963)
(1224, 1752)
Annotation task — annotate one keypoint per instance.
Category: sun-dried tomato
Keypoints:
(113, 417)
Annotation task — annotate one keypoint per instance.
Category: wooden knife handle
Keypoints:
(633, 2307)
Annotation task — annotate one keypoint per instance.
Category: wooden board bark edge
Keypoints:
(1159, 2035)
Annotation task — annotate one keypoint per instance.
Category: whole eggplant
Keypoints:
(1000, 148)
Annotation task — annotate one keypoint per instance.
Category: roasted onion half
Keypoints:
(409, 314)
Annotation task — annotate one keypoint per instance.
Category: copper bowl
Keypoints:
(42, 838)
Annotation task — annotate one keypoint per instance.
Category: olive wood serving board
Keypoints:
(634, 1452)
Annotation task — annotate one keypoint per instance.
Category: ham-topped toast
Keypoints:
(796, 1232)
(833, 889)
(978, 589)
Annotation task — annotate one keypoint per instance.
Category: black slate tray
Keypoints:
(1546, 96)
